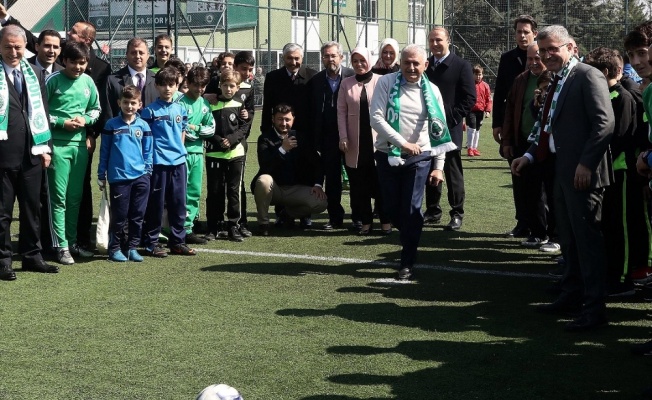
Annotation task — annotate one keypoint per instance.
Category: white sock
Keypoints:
(476, 138)
(469, 137)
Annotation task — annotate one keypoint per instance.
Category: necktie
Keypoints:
(18, 82)
(293, 77)
(436, 64)
(46, 73)
(543, 148)
(140, 82)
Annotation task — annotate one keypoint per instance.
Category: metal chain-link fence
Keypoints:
(480, 30)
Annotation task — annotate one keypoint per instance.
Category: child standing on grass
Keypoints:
(126, 162)
(225, 156)
(201, 126)
(480, 110)
(168, 121)
(244, 63)
(74, 104)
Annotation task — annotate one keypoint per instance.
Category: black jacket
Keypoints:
(279, 88)
(300, 166)
(116, 82)
(454, 78)
(323, 108)
(512, 64)
(17, 147)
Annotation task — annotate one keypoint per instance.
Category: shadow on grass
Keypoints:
(488, 345)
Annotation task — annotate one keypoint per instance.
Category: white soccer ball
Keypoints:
(219, 392)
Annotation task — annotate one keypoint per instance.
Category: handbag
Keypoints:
(103, 221)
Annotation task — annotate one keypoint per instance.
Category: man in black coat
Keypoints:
(134, 73)
(323, 89)
(512, 64)
(21, 160)
(454, 78)
(288, 85)
(290, 172)
(99, 70)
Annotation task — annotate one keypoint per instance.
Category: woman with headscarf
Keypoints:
(357, 140)
(388, 57)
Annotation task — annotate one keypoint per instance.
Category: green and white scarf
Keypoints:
(38, 121)
(440, 138)
(536, 129)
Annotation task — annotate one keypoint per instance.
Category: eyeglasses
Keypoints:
(552, 49)
(330, 56)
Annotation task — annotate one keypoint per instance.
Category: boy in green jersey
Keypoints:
(201, 125)
(74, 103)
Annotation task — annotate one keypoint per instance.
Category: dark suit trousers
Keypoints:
(518, 190)
(538, 183)
(454, 184)
(23, 182)
(578, 220)
(85, 220)
(332, 160)
(402, 191)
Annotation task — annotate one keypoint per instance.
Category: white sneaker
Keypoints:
(77, 250)
(550, 247)
(64, 257)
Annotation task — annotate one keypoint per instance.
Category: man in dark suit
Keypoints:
(512, 64)
(290, 172)
(134, 73)
(454, 78)
(577, 124)
(288, 85)
(99, 70)
(323, 89)
(48, 48)
(21, 160)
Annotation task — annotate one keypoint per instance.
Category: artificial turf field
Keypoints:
(309, 316)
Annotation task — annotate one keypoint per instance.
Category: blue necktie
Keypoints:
(18, 82)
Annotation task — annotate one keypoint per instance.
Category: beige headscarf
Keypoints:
(383, 44)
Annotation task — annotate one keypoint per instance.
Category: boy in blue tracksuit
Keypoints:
(168, 121)
(126, 162)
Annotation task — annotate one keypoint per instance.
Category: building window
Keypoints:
(301, 8)
(417, 12)
(367, 10)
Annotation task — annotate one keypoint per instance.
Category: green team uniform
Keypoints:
(68, 98)
(200, 116)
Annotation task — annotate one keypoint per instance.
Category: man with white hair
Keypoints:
(25, 147)
(575, 125)
(408, 115)
(288, 85)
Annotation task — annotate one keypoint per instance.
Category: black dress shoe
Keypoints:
(642, 349)
(431, 219)
(7, 274)
(305, 223)
(587, 322)
(40, 266)
(455, 224)
(560, 307)
(405, 274)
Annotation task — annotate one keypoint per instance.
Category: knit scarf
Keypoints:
(536, 129)
(440, 138)
(38, 121)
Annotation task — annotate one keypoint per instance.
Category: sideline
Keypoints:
(389, 264)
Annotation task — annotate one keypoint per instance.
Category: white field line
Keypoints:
(389, 264)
